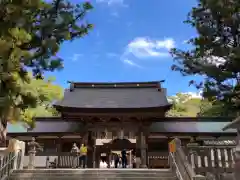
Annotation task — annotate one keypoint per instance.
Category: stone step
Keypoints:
(98, 174)
(142, 171)
(87, 175)
(23, 175)
(91, 178)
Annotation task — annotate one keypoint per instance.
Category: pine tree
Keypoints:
(215, 52)
(30, 36)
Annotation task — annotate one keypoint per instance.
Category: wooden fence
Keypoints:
(62, 160)
(214, 160)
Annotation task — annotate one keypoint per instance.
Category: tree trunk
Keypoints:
(3, 133)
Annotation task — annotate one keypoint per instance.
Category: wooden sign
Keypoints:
(172, 146)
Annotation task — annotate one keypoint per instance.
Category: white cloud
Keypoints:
(185, 41)
(214, 60)
(194, 94)
(131, 63)
(189, 95)
(113, 2)
(143, 47)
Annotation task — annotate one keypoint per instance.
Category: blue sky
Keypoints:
(130, 42)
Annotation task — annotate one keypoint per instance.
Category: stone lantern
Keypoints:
(74, 152)
(33, 148)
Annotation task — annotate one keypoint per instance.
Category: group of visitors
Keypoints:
(119, 160)
(81, 153)
(123, 159)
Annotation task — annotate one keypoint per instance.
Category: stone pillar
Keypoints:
(22, 154)
(18, 149)
(74, 152)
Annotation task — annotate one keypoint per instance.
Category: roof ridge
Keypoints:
(150, 84)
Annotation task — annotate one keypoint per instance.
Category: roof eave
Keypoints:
(235, 124)
(167, 107)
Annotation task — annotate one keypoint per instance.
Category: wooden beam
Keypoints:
(108, 117)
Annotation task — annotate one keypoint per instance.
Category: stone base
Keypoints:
(143, 166)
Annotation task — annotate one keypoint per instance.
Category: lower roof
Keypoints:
(165, 126)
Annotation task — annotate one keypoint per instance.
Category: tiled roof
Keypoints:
(158, 127)
(56, 127)
(190, 127)
(114, 96)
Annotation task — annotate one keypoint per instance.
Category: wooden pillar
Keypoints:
(138, 149)
(143, 150)
(94, 150)
(97, 156)
(59, 149)
(147, 150)
(90, 144)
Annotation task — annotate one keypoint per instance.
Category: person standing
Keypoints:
(124, 158)
(116, 160)
(83, 155)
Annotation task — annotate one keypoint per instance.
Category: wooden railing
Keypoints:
(179, 163)
(202, 162)
(11, 158)
(215, 161)
(62, 160)
(158, 159)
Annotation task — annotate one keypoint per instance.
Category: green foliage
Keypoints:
(192, 107)
(47, 92)
(30, 36)
(183, 106)
(214, 109)
(216, 52)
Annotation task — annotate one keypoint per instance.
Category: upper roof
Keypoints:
(114, 95)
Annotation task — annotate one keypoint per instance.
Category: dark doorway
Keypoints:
(120, 144)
